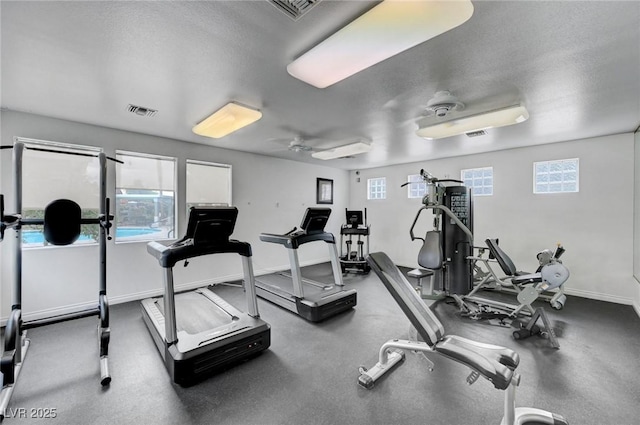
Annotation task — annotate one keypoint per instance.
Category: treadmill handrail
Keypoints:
(294, 241)
(169, 255)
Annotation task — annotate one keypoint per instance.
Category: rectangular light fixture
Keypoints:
(226, 120)
(496, 118)
(342, 151)
(391, 27)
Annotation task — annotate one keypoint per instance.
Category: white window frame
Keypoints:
(379, 194)
(473, 186)
(562, 172)
(417, 187)
(175, 195)
(60, 146)
(208, 164)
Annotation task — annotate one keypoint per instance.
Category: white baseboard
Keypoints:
(72, 308)
(636, 307)
(598, 296)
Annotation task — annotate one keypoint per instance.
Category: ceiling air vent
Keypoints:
(141, 110)
(476, 133)
(294, 9)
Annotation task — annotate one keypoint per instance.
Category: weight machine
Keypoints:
(447, 254)
(445, 249)
(487, 279)
(62, 221)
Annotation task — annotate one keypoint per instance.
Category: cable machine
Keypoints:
(447, 255)
(452, 207)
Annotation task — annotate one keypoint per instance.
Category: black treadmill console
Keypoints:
(211, 224)
(354, 218)
(208, 232)
(311, 229)
(314, 220)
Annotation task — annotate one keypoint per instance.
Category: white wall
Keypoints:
(595, 225)
(271, 195)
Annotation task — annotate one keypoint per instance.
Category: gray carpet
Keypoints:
(309, 375)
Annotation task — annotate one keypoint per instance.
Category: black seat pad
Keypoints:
(491, 361)
(523, 278)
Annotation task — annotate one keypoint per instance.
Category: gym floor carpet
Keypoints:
(309, 374)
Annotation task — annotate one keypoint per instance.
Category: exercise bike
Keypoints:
(355, 258)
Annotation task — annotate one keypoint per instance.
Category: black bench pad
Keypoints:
(523, 278)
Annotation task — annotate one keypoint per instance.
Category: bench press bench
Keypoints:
(495, 363)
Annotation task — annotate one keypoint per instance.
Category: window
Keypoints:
(417, 187)
(49, 175)
(559, 176)
(377, 188)
(208, 184)
(479, 179)
(145, 197)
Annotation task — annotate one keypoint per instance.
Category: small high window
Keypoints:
(377, 188)
(416, 188)
(479, 179)
(560, 176)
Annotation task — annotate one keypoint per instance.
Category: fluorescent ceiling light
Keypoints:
(497, 118)
(389, 28)
(342, 151)
(226, 120)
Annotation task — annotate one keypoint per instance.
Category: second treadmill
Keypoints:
(314, 301)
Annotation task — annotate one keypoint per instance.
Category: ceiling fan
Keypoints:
(297, 144)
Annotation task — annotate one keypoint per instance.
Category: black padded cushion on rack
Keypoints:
(62, 219)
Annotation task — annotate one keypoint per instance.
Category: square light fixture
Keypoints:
(342, 151)
(492, 119)
(391, 27)
(226, 120)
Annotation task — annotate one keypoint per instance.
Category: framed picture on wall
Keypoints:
(324, 191)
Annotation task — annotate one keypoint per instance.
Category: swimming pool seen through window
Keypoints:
(145, 204)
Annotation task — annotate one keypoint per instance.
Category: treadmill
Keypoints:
(314, 301)
(197, 332)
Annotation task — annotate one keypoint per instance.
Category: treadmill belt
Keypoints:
(283, 286)
(196, 313)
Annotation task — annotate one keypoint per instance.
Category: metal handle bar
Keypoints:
(62, 152)
(450, 214)
(413, 237)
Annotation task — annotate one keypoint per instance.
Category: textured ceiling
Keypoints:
(575, 65)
